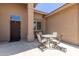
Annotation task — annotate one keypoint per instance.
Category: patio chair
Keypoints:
(42, 42)
(57, 40)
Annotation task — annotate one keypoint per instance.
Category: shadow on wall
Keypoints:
(12, 48)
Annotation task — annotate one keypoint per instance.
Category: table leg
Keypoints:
(49, 42)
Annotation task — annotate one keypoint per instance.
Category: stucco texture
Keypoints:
(40, 17)
(66, 23)
(6, 10)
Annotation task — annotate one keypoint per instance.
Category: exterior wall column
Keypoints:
(44, 24)
(30, 33)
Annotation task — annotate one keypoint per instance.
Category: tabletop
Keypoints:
(47, 35)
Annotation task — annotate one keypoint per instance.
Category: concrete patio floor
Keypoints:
(22, 48)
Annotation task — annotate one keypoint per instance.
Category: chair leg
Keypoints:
(42, 47)
(54, 45)
(59, 48)
(63, 49)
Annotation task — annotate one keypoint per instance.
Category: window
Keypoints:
(37, 26)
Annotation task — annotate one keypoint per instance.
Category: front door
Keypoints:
(14, 31)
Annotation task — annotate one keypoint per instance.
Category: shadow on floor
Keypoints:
(72, 45)
(12, 48)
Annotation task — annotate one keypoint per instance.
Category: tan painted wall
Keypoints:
(40, 17)
(65, 22)
(30, 36)
(6, 10)
(78, 21)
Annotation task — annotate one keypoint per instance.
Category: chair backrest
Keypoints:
(39, 37)
(57, 35)
(40, 33)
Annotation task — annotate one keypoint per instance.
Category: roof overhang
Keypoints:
(40, 12)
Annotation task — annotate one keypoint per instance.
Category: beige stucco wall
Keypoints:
(6, 10)
(65, 22)
(30, 33)
(40, 17)
(78, 20)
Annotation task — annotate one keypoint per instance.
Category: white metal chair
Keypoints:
(57, 40)
(42, 41)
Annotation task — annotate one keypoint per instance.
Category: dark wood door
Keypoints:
(14, 31)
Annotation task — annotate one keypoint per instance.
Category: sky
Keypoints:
(48, 7)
